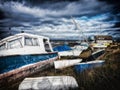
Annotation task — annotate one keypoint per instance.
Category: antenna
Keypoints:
(22, 31)
(10, 30)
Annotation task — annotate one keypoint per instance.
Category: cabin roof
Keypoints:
(103, 37)
(23, 34)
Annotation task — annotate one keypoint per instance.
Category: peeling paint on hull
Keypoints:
(24, 71)
(8, 63)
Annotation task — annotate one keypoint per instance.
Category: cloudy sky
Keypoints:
(52, 18)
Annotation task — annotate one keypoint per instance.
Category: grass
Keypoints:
(106, 77)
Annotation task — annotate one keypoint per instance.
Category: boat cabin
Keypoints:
(24, 43)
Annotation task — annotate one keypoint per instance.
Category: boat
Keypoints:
(81, 47)
(86, 53)
(65, 50)
(49, 83)
(70, 53)
(66, 63)
(24, 54)
(99, 45)
(101, 41)
(98, 53)
(80, 67)
(77, 49)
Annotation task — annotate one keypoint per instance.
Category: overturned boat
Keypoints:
(49, 83)
(24, 54)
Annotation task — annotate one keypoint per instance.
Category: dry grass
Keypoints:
(106, 77)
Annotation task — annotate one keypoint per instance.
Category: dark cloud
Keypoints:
(116, 5)
(117, 24)
(52, 15)
(2, 15)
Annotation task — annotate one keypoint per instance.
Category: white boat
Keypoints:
(73, 51)
(77, 49)
(64, 50)
(24, 54)
(70, 53)
(82, 46)
(49, 83)
(66, 63)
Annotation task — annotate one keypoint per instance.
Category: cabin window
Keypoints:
(17, 43)
(2, 47)
(31, 41)
(47, 46)
(28, 41)
(35, 42)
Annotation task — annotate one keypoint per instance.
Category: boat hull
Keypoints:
(88, 65)
(66, 63)
(9, 63)
(49, 83)
(34, 64)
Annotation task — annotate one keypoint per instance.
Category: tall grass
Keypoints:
(106, 77)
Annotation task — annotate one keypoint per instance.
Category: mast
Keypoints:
(78, 27)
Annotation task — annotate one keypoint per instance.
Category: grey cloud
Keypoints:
(46, 18)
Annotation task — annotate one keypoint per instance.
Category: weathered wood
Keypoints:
(14, 75)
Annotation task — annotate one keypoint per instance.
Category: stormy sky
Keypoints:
(52, 18)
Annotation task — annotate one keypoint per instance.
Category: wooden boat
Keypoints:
(80, 67)
(98, 53)
(49, 83)
(86, 53)
(66, 63)
(23, 54)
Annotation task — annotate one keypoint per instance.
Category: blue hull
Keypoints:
(13, 62)
(82, 67)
